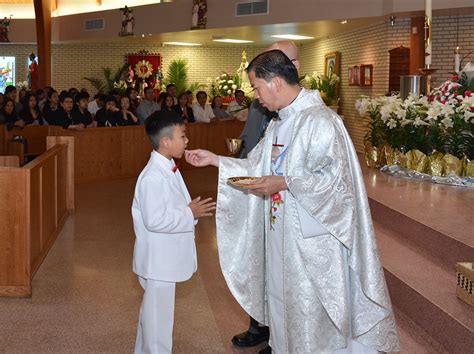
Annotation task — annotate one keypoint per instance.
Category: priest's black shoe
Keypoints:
(266, 350)
(248, 339)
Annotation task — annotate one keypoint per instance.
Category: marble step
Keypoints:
(424, 289)
(444, 245)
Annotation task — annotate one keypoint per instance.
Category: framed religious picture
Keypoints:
(331, 63)
(366, 74)
(354, 75)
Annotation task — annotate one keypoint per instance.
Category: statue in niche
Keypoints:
(4, 29)
(33, 73)
(202, 14)
(128, 22)
(195, 11)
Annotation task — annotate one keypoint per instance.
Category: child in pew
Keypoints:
(164, 218)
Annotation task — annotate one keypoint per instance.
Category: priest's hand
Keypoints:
(267, 185)
(201, 158)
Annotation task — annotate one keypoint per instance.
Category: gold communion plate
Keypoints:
(241, 181)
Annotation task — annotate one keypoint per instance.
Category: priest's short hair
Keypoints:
(274, 63)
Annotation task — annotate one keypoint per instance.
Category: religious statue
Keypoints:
(130, 76)
(202, 14)
(241, 71)
(4, 29)
(128, 22)
(194, 19)
(33, 73)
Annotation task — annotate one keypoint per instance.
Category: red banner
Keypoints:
(147, 68)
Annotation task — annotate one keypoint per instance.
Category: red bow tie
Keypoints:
(175, 168)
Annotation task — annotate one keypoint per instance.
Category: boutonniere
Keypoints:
(175, 168)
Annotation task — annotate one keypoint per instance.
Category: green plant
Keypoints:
(177, 74)
(107, 83)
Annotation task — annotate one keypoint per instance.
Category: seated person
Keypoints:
(109, 115)
(30, 113)
(167, 103)
(147, 105)
(190, 97)
(80, 114)
(10, 116)
(171, 90)
(202, 110)
(64, 116)
(132, 95)
(236, 107)
(219, 112)
(96, 104)
(128, 117)
(183, 109)
(52, 108)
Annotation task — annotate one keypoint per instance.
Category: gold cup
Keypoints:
(233, 146)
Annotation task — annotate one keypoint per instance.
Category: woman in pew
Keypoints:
(10, 116)
(128, 117)
(64, 118)
(109, 115)
(219, 110)
(183, 109)
(52, 109)
(30, 113)
(167, 103)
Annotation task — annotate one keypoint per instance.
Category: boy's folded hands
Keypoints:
(202, 208)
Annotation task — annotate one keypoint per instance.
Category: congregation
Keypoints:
(74, 109)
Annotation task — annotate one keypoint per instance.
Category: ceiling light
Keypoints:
(229, 40)
(343, 22)
(293, 37)
(182, 43)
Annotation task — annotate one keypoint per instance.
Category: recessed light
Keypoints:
(343, 22)
(230, 40)
(293, 37)
(182, 43)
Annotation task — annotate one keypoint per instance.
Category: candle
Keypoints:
(457, 60)
(428, 19)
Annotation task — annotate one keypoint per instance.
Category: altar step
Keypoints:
(421, 278)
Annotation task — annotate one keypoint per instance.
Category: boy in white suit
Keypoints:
(163, 218)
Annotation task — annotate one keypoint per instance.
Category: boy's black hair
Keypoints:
(81, 96)
(157, 124)
(9, 88)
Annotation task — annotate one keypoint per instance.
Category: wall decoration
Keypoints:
(5, 28)
(7, 72)
(366, 74)
(128, 22)
(354, 75)
(145, 67)
(332, 64)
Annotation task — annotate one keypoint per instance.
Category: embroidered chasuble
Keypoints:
(304, 261)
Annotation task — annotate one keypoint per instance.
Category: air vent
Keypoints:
(96, 24)
(250, 8)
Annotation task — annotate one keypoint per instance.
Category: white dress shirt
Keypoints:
(236, 110)
(203, 115)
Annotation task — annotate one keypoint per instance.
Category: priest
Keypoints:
(315, 276)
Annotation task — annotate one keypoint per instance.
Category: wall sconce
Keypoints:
(392, 20)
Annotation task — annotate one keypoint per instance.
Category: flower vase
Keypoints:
(374, 156)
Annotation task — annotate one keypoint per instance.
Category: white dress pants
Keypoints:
(155, 326)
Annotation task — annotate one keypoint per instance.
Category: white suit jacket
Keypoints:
(163, 223)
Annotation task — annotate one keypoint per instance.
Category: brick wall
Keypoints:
(365, 46)
(371, 45)
(72, 62)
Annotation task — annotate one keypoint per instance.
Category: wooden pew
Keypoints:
(35, 201)
(9, 161)
(122, 152)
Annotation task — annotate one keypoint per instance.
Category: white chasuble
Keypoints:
(305, 261)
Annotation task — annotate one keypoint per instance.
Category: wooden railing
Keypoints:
(35, 201)
(117, 152)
